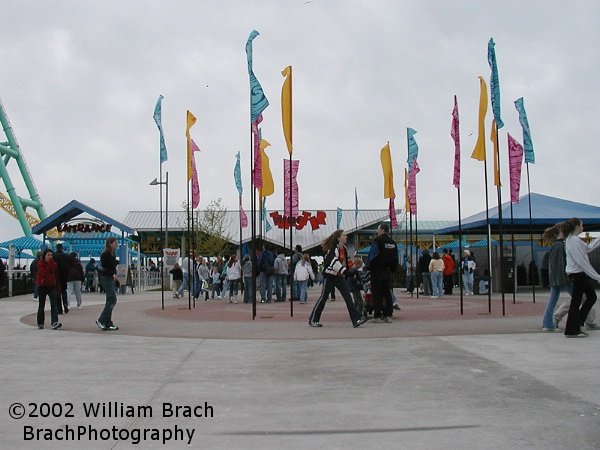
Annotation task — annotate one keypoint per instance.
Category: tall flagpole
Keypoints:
(416, 260)
(512, 240)
(460, 236)
(253, 225)
(258, 102)
(529, 157)
(531, 235)
(500, 231)
(291, 245)
(189, 240)
(162, 248)
(455, 134)
(489, 236)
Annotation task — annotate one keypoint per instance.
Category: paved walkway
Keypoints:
(432, 379)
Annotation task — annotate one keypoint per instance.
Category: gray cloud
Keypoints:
(80, 80)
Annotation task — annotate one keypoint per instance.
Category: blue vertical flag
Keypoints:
(355, 205)
(264, 214)
(339, 218)
(158, 120)
(494, 84)
(413, 148)
(527, 144)
(237, 174)
(258, 101)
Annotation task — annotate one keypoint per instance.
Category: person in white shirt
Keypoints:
(581, 273)
(234, 275)
(302, 274)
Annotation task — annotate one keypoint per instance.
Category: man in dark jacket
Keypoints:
(266, 262)
(382, 262)
(64, 266)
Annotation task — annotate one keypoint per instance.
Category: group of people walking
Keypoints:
(57, 275)
(569, 269)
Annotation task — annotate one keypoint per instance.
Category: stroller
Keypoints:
(369, 307)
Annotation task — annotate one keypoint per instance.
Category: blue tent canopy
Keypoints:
(455, 244)
(23, 243)
(545, 212)
(4, 255)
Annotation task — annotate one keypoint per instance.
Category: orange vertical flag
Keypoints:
(286, 107)
(191, 120)
(479, 151)
(388, 172)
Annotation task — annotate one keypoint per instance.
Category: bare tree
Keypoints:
(212, 229)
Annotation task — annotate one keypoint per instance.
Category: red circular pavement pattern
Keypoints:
(142, 315)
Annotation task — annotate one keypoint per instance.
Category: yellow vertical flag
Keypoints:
(268, 187)
(406, 200)
(494, 139)
(286, 107)
(388, 172)
(191, 120)
(479, 151)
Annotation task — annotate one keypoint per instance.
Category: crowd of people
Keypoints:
(366, 286)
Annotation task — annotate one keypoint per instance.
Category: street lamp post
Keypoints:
(164, 242)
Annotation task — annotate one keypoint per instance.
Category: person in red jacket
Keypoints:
(48, 284)
(448, 271)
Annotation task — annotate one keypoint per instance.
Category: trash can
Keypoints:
(481, 284)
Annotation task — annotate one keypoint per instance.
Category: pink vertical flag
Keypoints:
(243, 217)
(515, 161)
(257, 169)
(195, 185)
(412, 187)
(454, 132)
(393, 218)
(286, 188)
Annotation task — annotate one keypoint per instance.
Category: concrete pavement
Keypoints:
(432, 379)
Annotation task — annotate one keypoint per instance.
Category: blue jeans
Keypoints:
(184, 284)
(266, 286)
(437, 284)
(74, 288)
(426, 279)
(468, 282)
(548, 321)
(197, 286)
(108, 284)
(302, 290)
(248, 287)
(280, 287)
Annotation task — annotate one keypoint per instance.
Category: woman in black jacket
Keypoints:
(107, 272)
(335, 266)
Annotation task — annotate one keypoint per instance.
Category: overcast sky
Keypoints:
(80, 79)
